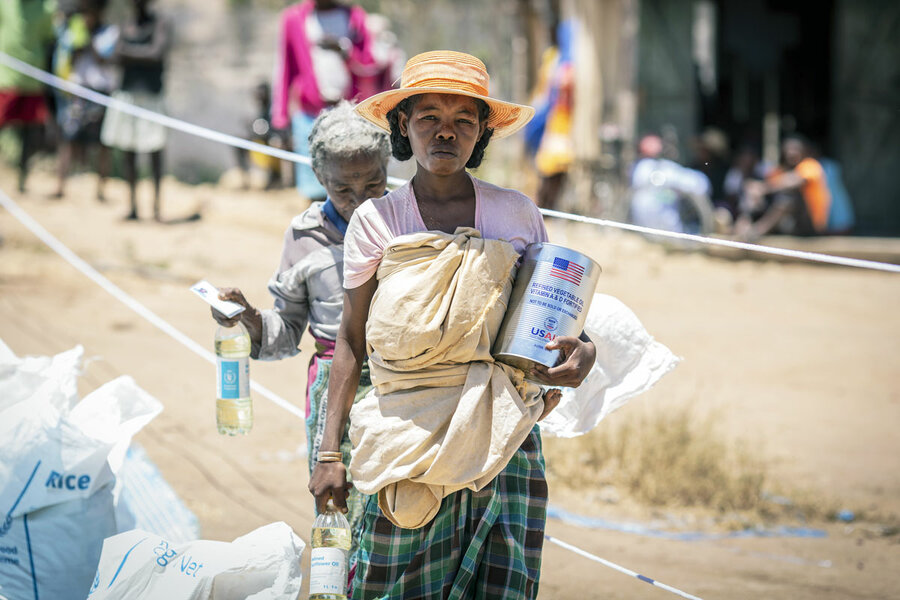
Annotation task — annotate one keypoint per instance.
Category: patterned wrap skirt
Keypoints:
(316, 409)
(483, 545)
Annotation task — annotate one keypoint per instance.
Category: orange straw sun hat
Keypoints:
(446, 72)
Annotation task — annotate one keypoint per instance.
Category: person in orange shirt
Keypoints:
(797, 195)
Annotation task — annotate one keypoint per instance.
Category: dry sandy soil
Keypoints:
(798, 361)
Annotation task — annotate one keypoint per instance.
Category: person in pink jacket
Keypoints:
(323, 43)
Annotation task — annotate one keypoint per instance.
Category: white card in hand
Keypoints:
(208, 292)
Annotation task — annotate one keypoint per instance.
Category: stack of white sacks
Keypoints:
(58, 501)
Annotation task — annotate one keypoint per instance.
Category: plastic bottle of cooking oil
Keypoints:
(234, 410)
(330, 553)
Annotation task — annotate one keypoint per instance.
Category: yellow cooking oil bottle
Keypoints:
(330, 555)
(234, 409)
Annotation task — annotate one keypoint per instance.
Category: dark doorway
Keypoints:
(773, 72)
(760, 69)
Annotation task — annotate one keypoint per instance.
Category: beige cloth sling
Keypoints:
(443, 416)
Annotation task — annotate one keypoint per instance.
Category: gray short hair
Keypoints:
(341, 133)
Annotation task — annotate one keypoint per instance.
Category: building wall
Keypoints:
(866, 120)
(667, 97)
(219, 54)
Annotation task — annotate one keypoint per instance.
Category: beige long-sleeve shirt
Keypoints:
(307, 287)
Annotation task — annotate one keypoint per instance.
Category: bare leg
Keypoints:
(285, 168)
(287, 174)
(243, 160)
(103, 155)
(156, 166)
(274, 177)
(64, 163)
(28, 135)
(750, 232)
(131, 177)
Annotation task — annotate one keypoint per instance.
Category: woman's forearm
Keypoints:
(349, 355)
(342, 383)
(784, 182)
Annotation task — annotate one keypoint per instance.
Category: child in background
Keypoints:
(83, 56)
(261, 131)
(26, 32)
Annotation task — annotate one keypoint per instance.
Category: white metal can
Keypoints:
(550, 298)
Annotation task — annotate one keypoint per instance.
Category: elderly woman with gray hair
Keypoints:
(349, 157)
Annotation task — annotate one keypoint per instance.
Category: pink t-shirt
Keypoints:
(500, 214)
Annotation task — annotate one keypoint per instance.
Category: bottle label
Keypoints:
(233, 378)
(327, 571)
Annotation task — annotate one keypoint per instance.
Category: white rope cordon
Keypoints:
(120, 295)
(217, 136)
(619, 568)
(803, 255)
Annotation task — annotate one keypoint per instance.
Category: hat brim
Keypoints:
(505, 119)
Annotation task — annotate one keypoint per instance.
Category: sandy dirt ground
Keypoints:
(799, 361)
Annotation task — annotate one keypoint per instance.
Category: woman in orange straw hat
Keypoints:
(483, 543)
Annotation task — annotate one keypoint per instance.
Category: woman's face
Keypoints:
(351, 181)
(442, 130)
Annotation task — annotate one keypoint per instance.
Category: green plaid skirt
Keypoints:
(483, 545)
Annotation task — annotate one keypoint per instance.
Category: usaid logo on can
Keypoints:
(550, 298)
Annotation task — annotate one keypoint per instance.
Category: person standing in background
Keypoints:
(141, 52)
(82, 56)
(387, 56)
(26, 33)
(260, 130)
(549, 135)
(70, 31)
(323, 43)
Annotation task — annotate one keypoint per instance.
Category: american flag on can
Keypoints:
(567, 270)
